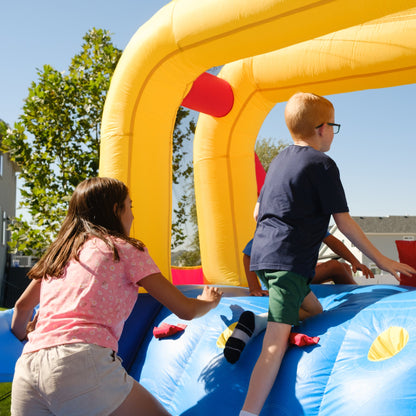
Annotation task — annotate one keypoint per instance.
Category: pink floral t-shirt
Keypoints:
(93, 298)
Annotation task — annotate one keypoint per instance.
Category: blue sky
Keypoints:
(375, 149)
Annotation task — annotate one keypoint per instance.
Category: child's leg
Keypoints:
(287, 292)
(26, 398)
(265, 371)
(140, 402)
(333, 271)
(309, 307)
(248, 326)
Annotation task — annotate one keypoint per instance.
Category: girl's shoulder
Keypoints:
(125, 248)
(120, 242)
(96, 244)
(94, 247)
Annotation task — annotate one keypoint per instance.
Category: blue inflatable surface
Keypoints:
(189, 375)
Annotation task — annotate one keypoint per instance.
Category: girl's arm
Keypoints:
(23, 309)
(182, 306)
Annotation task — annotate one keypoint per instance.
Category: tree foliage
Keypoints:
(267, 149)
(182, 173)
(56, 140)
(192, 255)
(3, 130)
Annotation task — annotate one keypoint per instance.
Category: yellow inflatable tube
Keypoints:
(158, 66)
(375, 55)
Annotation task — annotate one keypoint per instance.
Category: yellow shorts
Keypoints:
(70, 379)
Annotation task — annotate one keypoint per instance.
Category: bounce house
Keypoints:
(268, 50)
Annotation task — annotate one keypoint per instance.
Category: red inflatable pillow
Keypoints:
(407, 254)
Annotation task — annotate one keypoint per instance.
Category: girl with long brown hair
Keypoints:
(86, 285)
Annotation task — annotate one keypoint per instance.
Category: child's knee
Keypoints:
(312, 304)
(318, 308)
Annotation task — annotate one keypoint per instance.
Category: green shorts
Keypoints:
(286, 293)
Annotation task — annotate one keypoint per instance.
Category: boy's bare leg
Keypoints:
(267, 367)
(274, 347)
(309, 307)
(249, 325)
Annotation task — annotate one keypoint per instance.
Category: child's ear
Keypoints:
(319, 130)
(115, 209)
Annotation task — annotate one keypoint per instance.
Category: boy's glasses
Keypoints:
(335, 126)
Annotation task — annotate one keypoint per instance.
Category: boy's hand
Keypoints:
(395, 268)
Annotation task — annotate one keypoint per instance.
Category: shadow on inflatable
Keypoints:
(363, 363)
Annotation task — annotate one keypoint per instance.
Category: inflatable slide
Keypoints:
(268, 49)
(362, 365)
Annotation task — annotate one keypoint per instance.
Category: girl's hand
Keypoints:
(259, 292)
(32, 324)
(211, 294)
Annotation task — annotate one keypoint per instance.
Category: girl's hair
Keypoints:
(94, 210)
(305, 111)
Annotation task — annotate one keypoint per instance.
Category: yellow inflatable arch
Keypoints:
(373, 55)
(183, 40)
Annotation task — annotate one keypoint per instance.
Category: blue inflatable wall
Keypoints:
(190, 376)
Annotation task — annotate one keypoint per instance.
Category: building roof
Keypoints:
(390, 224)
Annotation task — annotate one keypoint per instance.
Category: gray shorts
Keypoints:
(71, 379)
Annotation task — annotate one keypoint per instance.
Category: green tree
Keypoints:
(267, 149)
(182, 172)
(56, 140)
(3, 130)
(192, 255)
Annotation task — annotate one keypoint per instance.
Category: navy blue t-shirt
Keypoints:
(301, 191)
